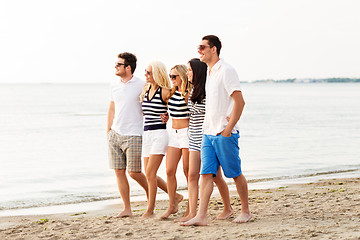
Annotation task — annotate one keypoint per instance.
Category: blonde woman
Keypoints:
(155, 137)
(179, 139)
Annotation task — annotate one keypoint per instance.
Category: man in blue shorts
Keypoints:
(224, 105)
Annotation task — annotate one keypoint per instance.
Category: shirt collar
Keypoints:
(217, 65)
(133, 79)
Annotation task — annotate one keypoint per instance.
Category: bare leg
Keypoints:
(242, 189)
(193, 185)
(151, 170)
(185, 158)
(228, 211)
(206, 188)
(140, 178)
(161, 183)
(173, 156)
(124, 190)
(163, 186)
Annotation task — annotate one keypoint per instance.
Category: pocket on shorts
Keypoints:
(226, 137)
(109, 134)
(231, 139)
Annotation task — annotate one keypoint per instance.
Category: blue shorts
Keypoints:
(219, 150)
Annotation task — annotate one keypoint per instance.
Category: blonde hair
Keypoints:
(161, 78)
(185, 86)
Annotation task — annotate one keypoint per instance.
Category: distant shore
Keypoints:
(322, 210)
(309, 80)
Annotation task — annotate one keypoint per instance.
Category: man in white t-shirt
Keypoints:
(125, 128)
(224, 105)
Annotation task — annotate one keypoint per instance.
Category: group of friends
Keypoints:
(204, 102)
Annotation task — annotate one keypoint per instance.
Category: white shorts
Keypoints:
(155, 142)
(179, 138)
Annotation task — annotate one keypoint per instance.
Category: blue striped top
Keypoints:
(152, 109)
(178, 108)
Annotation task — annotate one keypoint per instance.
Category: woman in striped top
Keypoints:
(197, 72)
(179, 140)
(155, 137)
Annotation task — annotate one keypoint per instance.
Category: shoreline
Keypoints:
(328, 208)
(103, 204)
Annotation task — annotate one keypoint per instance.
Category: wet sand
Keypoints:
(328, 209)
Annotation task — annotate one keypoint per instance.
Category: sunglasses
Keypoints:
(147, 72)
(173, 77)
(119, 64)
(202, 47)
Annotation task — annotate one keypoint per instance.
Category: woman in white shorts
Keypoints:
(155, 137)
(196, 72)
(179, 138)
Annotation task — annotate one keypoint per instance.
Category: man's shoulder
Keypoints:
(224, 66)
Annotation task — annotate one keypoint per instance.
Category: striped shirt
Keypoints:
(197, 115)
(152, 109)
(178, 108)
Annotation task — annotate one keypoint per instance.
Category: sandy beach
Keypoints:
(328, 209)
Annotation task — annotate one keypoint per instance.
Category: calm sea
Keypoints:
(53, 145)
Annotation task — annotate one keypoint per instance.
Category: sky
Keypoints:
(77, 41)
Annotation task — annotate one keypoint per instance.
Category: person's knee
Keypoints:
(207, 177)
(170, 172)
(120, 172)
(219, 179)
(194, 177)
(134, 175)
(150, 175)
(241, 179)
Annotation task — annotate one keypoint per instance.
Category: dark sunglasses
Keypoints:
(173, 77)
(119, 64)
(202, 47)
(147, 72)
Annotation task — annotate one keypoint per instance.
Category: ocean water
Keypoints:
(53, 147)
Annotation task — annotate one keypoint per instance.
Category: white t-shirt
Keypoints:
(220, 84)
(128, 119)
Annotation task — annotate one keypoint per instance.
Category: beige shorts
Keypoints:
(155, 142)
(179, 138)
(124, 151)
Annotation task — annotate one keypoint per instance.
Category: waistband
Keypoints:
(181, 130)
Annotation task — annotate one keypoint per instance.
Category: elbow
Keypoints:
(241, 103)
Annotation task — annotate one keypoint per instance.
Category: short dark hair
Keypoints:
(213, 41)
(199, 70)
(129, 60)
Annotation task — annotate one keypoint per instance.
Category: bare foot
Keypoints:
(226, 214)
(184, 218)
(196, 221)
(178, 198)
(169, 212)
(172, 210)
(124, 213)
(243, 218)
(147, 215)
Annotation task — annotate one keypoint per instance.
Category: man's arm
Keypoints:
(239, 104)
(110, 116)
